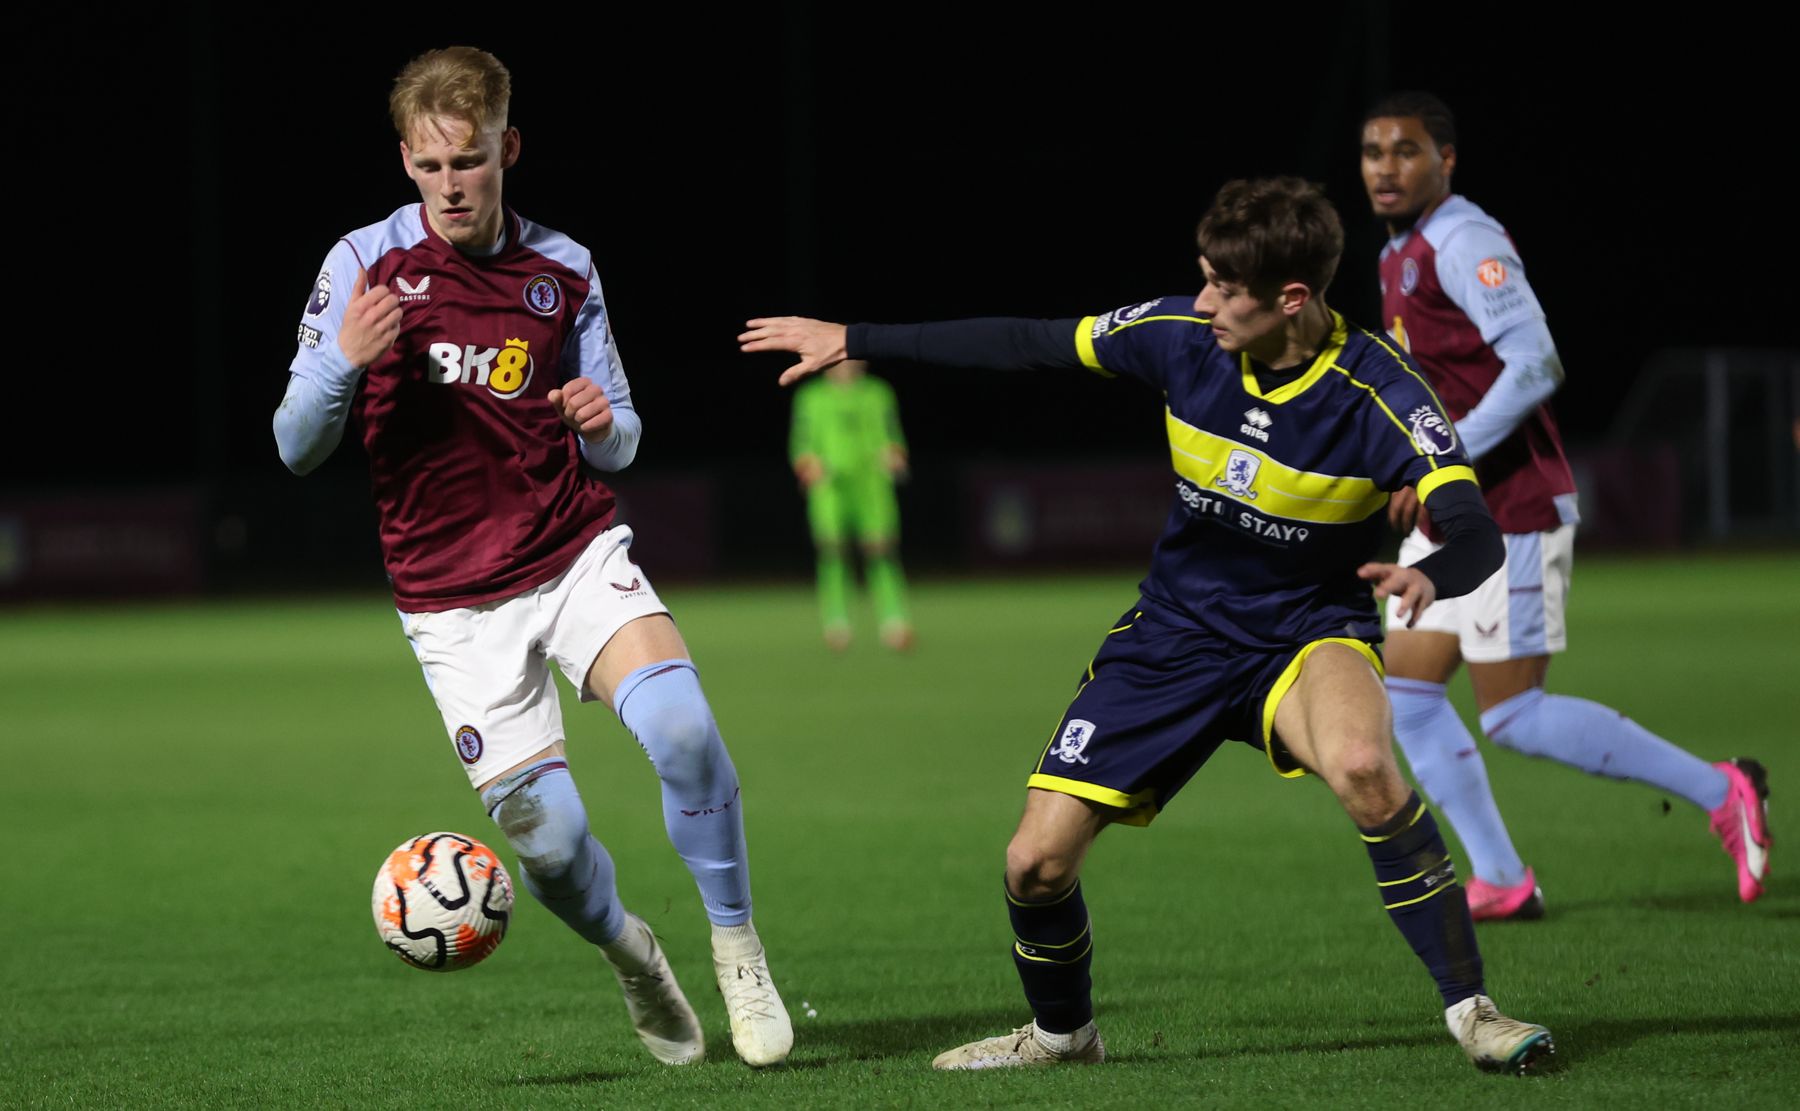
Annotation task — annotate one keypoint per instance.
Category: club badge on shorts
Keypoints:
(1073, 740)
(468, 743)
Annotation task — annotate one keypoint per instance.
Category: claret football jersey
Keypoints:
(1449, 288)
(478, 484)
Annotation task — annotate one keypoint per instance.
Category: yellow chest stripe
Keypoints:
(1275, 489)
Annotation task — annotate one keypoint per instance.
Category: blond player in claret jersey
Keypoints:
(474, 351)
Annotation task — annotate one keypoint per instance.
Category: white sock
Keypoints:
(1454, 1016)
(737, 940)
(1073, 1042)
(632, 949)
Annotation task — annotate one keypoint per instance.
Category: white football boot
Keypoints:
(760, 1029)
(1495, 1042)
(665, 1023)
(1026, 1047)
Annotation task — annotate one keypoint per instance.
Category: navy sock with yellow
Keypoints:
(1053, 949)
(1418, 887)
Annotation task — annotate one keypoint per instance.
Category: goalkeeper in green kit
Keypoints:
(848, 451)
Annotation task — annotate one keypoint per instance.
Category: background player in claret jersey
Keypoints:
(1454, 294)
(847, 450)
(474, 349)
(1287, 427)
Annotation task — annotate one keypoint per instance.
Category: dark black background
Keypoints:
(181, 174)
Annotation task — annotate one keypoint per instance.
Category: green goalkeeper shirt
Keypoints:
(847, 425)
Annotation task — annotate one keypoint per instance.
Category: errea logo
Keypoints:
(1256, 425)
(505, 370)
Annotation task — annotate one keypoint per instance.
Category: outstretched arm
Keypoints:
(820, 344)
(995, 343)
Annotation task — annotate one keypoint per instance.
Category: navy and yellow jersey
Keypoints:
(1279, 491)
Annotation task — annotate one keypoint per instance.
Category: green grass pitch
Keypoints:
(197, 797)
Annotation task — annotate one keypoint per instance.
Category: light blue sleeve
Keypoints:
(593, 354)
(1530, 374)
(1481, 272)
(309, 423)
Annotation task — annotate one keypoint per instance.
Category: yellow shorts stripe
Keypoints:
(1137, 809)
(1288, 676)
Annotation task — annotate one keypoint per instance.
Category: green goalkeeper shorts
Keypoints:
(857, 506)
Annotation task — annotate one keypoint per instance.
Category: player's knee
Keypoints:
(1035, 872)
(544, 821)
(1360, 764)
(677, 735)
(668, 713)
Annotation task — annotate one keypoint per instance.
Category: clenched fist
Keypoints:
(582, 405)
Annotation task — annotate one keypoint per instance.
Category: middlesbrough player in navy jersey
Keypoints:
(1288, 428)
(1454, 293)
(474, 351)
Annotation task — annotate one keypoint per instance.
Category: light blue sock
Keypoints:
(566, 869)
(663, 706)
(1449, 768)
(1602, 741)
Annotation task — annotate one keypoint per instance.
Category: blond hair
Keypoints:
(458, 81)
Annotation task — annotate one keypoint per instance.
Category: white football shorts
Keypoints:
(1517, 613)
(488, 665)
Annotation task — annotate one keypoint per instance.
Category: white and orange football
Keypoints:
(442, 901)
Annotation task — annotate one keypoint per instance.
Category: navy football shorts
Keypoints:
(1157, 702)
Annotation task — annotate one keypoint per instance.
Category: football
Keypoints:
(442, 901)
